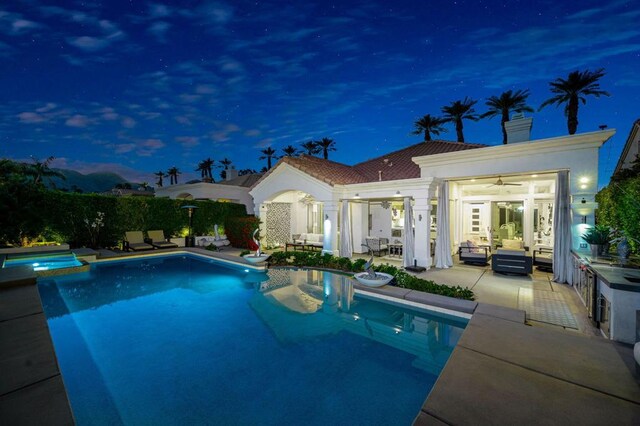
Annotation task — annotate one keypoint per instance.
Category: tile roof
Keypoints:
(393, 166)
(398, 165)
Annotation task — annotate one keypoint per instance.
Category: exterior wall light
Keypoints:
(584, 179)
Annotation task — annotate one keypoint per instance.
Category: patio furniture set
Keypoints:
(511, 258)
(306, 242)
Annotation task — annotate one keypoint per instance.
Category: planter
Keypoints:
(380, 279)
(252, 258)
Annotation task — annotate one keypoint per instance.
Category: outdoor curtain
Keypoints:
(408, 245)
(443, 257)
(346, 247)
(562, 262)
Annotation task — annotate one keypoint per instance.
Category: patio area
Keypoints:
(547, 303)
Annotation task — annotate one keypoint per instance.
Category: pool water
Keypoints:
(181, 340)
(44, 261)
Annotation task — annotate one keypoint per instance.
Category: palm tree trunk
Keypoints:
(269, 162)
(459, 130)
(326, 153)
(505, 118)
(427, 135)
(572, 115)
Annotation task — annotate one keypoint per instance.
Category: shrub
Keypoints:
(401, 278)
(619, 206)
(239, 231)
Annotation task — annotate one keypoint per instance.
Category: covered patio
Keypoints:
(533, 193)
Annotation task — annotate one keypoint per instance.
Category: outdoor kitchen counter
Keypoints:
(616, 277)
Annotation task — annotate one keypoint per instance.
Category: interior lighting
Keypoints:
(473, 180)
(583, 186)
(534, 176)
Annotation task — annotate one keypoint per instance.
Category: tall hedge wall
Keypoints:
(619, 207)
(67, 217)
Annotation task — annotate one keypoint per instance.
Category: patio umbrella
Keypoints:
(443, 242)
(562, 264)
(346, 247)
(408, 245)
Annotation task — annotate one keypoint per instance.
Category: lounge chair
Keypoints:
(470, 253)
(158, 240)
(543, 258)
(134, 241)
(378, 245)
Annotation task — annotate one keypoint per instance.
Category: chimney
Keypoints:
(231, 173)
(518, 128)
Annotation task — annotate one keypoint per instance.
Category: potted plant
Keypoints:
(598, 237)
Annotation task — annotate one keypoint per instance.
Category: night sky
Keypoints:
(135, 87)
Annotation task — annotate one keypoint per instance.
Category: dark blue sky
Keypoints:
(135, 86)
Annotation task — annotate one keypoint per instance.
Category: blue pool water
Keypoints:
(181, 340)
(44, 261)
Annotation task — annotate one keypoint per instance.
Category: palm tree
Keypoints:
(160, 176)
(429, 125)
(504, 104)
(574, 89)
(208, 164)
(290, 151)
(40, 170)
(326, 145)
(269, 153)
(458, 111)
(310, 148)
(226, 163)
(173, 173)
(202, 169)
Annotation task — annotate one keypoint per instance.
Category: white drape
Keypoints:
(562, 262)
(443, 257)
(346, 247)
(408, 245)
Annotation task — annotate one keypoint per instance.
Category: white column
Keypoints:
(422, 213)
(330, 244)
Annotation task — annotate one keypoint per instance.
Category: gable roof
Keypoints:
(398, 164)
(627, 146)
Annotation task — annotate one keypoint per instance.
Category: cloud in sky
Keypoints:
(14, 24)
(78, 120)
(159, 30)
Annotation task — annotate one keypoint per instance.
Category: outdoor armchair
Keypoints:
(470, 253)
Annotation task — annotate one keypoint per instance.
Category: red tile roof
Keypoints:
(393, 166)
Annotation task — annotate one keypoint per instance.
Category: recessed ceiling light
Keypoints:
(473, 180)
(534, 175)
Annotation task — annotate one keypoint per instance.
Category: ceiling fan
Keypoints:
(499, 182)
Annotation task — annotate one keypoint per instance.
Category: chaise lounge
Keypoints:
(158, 240)
(134, 241)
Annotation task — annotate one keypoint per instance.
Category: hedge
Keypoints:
(68, 217)
(619, 208)
(239, 231)
(401, 278)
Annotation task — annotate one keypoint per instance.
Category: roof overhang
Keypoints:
(552, 146)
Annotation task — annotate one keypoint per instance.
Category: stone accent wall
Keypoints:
(278, 224)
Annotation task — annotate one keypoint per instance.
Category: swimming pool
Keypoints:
(181, 340)
(43, 261)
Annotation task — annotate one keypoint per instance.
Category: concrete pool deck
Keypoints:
(502, 371)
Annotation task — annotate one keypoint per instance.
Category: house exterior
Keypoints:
(234, 189)
(631, 148)
(495, 193)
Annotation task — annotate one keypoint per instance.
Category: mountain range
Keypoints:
(92, 182)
